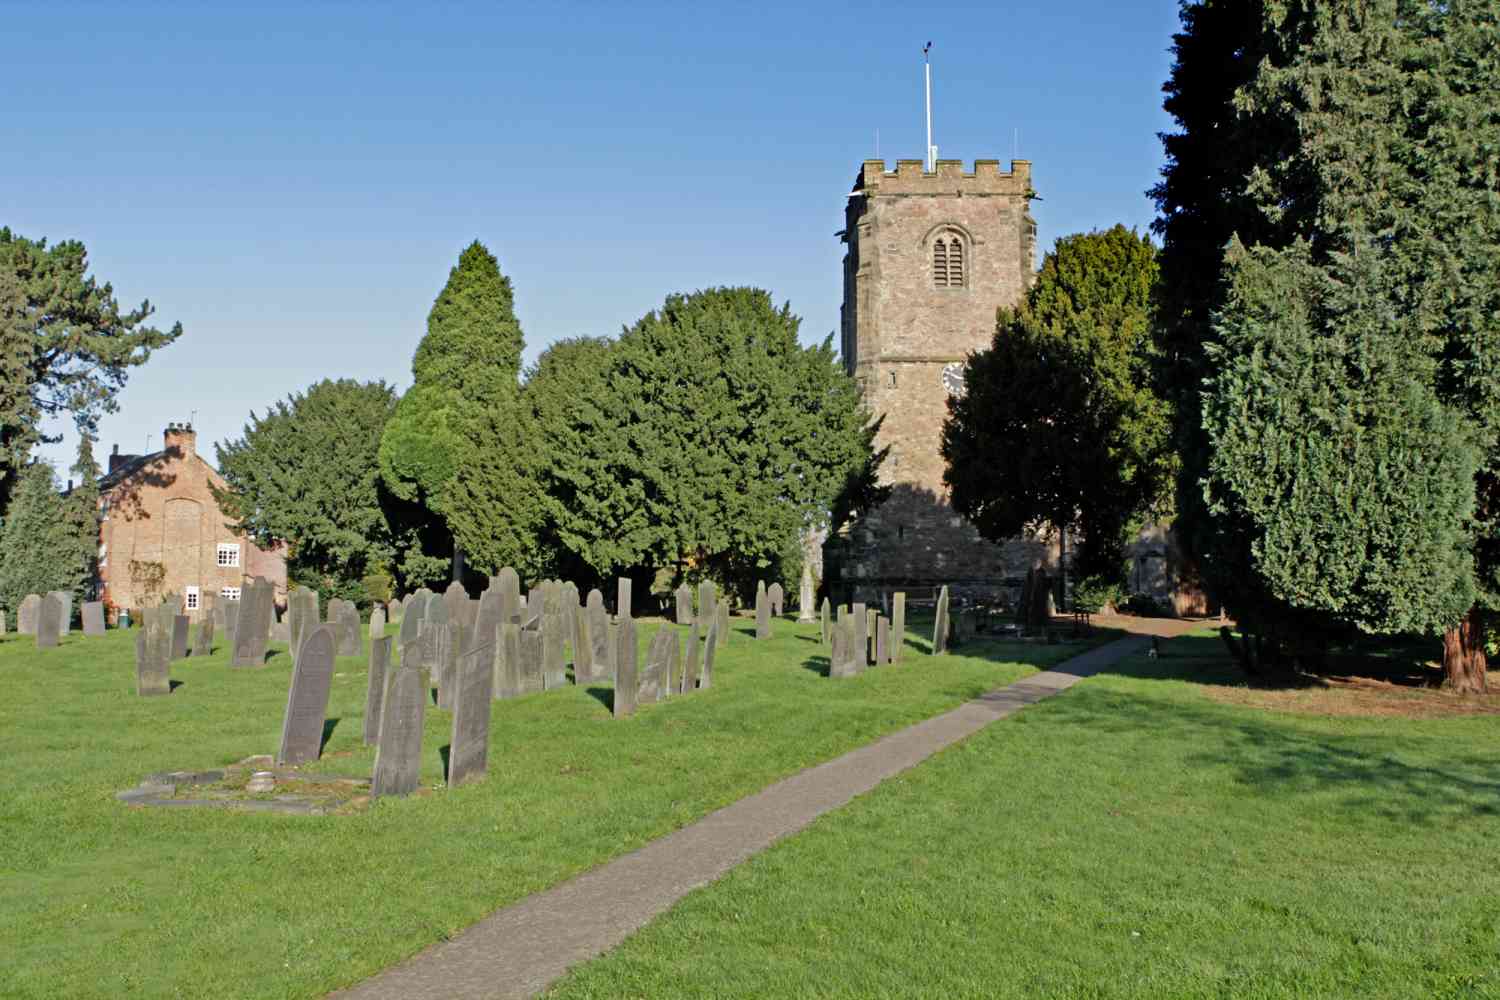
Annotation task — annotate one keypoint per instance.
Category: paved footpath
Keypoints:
(518, 951)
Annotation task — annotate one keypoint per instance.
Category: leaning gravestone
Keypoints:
(672, 674)
(153, 651)
(180, 636)
(710, 644)
(31, 608)
(777, 598)
(468, 749)
(507, 663)
(380, 662)
(203, 641)
(940, 624)
(307, 699)
(554, 666)
(65, 606)
(93, 618)
(532, 678)
(898, 625)
(49, 622)
(690, 662)
(684, 595)
(625, 664)
(398, 755)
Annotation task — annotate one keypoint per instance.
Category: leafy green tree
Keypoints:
(1360, 159)
(1059, 425)
(709, 440)
(306, 473)
(65, 345)
(38, 545)
(83, 511)
(467, 364)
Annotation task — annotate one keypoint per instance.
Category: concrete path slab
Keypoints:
(519, 950)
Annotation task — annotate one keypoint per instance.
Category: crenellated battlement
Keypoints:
(950, 177)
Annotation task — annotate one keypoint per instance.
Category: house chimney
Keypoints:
(182, 439)
(115, 459)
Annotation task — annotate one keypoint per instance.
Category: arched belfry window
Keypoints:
(948, 260)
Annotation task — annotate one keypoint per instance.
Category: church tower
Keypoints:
(931, 255)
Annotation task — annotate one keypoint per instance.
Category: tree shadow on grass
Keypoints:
(329, 725)
(820, 665)
(604, 696)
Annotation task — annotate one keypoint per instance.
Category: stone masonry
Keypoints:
(930, 258)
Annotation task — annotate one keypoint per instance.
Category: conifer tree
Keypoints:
(83, 511)
(467, 364)
(38, 544)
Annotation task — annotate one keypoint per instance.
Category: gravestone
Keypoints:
(509, 583)
(398, 755)
(710, 646)
(721, 612)
(604, 657)
(93, 618)
(690, 662)
(762, 611)
(49, 622)
(882, 642)
(871, 628)
(231, 619)
(375, 680)
(26, 617)
(777, 598)
(344, 617)
(153, 653)
(377, 622)
(65, 608)
(805, 612)
(684, 596)
(455, 597)
(861, 634)
(281, 631)
(218, 613)
(622, 598)
(838, 656)
(487, 619)
(468, 614)
(411, 623)
(848, 655)
(393, 611)
(898, 625)
(436, 615)
(536, 603)
(307, 699)
(473, 688)
(180, 636)
(827, 636)
(940, 624)
(653, 676)
(626, 678)
(531, 661)
(672, 673)
(252, 629)
(507, 663)
(450, 643)
(583, 648)
(554, 665)
(2, 622)
(706, 601)
(203, 640)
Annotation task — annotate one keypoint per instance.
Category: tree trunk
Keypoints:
(1464, 661)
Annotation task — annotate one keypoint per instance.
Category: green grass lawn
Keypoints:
(100, 899)
(1130, 838)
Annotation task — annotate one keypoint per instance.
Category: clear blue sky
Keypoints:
(293, 182)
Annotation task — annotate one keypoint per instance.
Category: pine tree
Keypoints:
(38, 545)
(83, 512)
(467, 364)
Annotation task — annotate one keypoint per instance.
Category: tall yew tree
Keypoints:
(466, 366)
(1344, 327)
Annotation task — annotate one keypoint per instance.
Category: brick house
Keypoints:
(161, 531)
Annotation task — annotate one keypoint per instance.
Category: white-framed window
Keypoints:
(229, 554)
(190, 598)
(230, 593)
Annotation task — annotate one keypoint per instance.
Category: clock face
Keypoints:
(953, 378)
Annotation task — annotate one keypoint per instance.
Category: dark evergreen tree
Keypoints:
(467, 365)
(1059, 425)
(83, 512)
(38, 544)
(65, 345)
(307, 473)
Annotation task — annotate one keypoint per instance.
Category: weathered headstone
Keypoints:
(509, 682)
(722, 614)
(626, 675)
(706, 602)
(710, 646)
(380, 662)
(153, 652)
(344, 617)
(531, 661)
(684, 595)
(838, 654)
(554, 665)
(231, 619)
(281, 631)
(49, 622)
(455, 597)
(898, 625)
(393, 611)
(762, 612)
(509, 584)
(180, 636)
(307, 699)
(827, 634)
(65, 608)
(861, 641)
(690, 661)
(2, 622)
(940, 624)
(871, 628)
(653, 676)
(805, 611)
(398, 755)
(203, 639)
(583, 648)
(377, 622)
(604, 656)
(93, 618)
(622, 598)
(777, 598)
(487, 619)
(882, 641)
(473, 687)
(26, 616)
(451, 641)
(848, 659)
(252, 628)
(411, 622)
